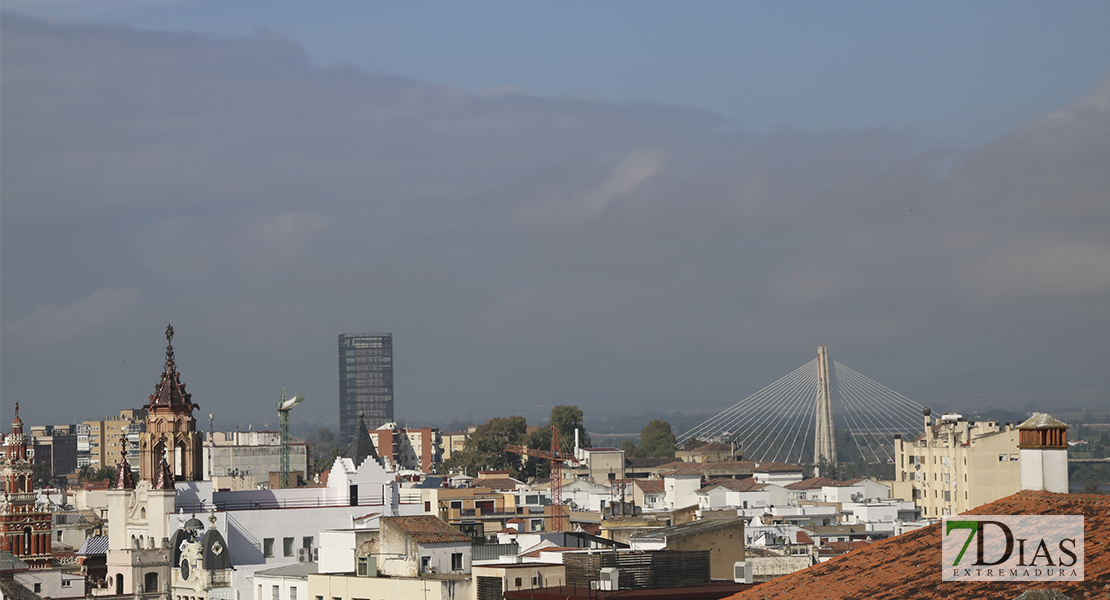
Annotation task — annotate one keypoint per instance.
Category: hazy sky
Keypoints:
(627, 206)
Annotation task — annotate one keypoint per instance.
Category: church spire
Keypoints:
(170, 391)
(125, 480)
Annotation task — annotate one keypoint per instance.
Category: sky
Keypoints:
(628, 206)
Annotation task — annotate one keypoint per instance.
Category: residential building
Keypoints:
(365, 382)
(289, 582)
(417, 449)
(956, 465)
(724, 539)
(99, 442)
(252, 454)
(57, 446)
(711, 452)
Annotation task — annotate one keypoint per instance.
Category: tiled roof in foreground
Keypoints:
(908, 566)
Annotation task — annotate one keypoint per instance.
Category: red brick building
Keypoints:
(25, 531)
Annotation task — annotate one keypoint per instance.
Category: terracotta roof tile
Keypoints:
(427, 529)
(814, 483)
(908, 566)
(650, 486)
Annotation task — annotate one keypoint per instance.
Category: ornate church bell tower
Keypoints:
(171, 430)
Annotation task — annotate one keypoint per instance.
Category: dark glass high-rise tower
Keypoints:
(365, 382)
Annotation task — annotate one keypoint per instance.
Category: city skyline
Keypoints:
(625, 209)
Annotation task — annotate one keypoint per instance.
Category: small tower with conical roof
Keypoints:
(1043, 443)
(171, 429)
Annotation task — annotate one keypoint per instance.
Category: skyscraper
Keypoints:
(365, 382)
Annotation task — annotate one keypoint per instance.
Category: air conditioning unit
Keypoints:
(307, 555)
(610, 579)
(742, 572)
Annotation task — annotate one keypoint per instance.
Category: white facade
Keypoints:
(52, 583)
(722, 497)
(586, 495)
(276, 584)
(888, 511)
(781, 478)
(269, 527)
(681, 490)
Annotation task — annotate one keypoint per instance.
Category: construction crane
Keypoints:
(283, 409)
(557, 459)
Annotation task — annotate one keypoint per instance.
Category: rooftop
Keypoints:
(736, 485)
(1043, 421)
(686, 529)
(426, 529)
(295, 570)
(908, 566)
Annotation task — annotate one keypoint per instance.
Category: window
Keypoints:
(363, 566)
(38, 587)
(1013, 458)
(66, 582)
(287, 546)
(306, 541)
(268, 547)
(456, 561)
(277, 592)
(518, 582)
(293, 593)
(1001, 458)
(425, 562)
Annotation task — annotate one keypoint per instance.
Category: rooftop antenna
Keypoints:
(283, 409)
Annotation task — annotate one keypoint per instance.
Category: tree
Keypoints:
(567, 419)
(485, 450)
(93, 473)
(656, 439)
(41, 475)
(324, 450)
(631, 450)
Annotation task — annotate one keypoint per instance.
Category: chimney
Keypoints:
(1043, 443)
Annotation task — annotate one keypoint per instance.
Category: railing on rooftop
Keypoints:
(286, 502)
(493, 551)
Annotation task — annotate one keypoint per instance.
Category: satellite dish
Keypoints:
(290, 403)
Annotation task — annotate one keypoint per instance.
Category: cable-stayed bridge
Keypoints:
(804, 417)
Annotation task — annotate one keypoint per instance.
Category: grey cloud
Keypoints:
(51, 325)
(518, 246)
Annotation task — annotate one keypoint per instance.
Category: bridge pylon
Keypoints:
(824, 447)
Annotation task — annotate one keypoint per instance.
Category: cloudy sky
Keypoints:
(631, 207)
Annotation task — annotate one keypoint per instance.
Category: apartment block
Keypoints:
(957, 465)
